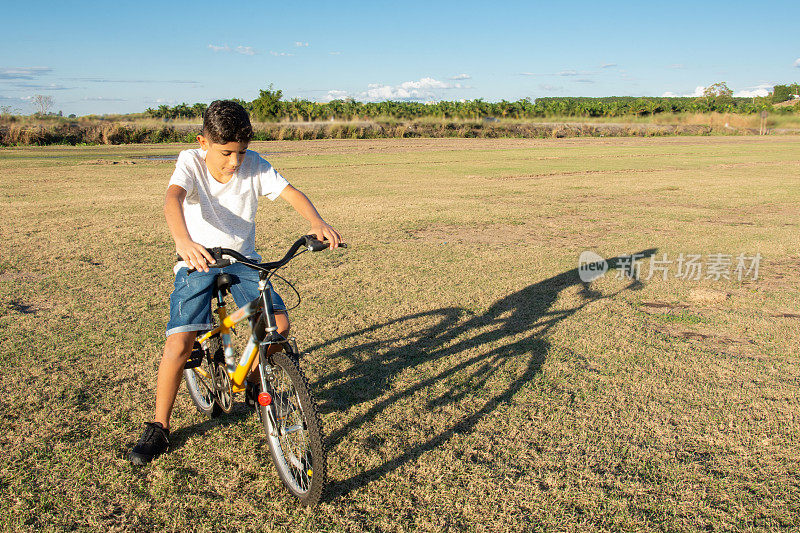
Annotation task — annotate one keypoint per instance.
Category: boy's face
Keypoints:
(222, 159)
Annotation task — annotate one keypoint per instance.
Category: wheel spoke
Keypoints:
(296, 443)
(223, 391)
(204, 389)
(201, 380)
(208, 396)
(293, 439)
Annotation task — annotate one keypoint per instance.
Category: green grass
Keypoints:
(467, 379)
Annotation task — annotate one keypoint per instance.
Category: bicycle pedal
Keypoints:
(196, 357)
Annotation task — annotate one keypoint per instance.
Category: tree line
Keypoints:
(270, 107)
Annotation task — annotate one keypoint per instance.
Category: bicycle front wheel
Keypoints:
(296, 439)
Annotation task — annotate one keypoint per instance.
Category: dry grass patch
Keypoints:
(468, 380)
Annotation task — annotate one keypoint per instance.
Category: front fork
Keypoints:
(268, 379)
(271, 337)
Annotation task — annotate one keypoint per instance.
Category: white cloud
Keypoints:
(300, 44)
(422, 90)
(280, 54)
(698, 91)
(461, 77)
(335, 94)
(751, 92)
(23, 73)
(14, 100)
(608, 65)
(40, 87)
(107, 80)
(244, 50)
(385, 92)
(551, 88)
(677, 66)
(426, 83)
(570, 72)
(797, 62)
(102, 99)
(335, 53)
(584, 80)
(159, 101)
(748, 92)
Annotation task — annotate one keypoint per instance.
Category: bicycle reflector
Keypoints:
(264, 399)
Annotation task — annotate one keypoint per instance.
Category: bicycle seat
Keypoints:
(224, 282)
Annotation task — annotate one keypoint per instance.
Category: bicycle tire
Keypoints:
(201, 389)
(297, 446)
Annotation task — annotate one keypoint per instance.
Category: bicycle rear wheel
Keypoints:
(200, 380)
(296, 442)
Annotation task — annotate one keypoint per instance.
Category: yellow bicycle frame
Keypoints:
(227, 323)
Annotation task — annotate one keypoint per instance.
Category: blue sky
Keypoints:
(92, 57)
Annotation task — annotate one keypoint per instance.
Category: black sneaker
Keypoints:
(153, 443)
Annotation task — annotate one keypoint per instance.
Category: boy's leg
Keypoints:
(190, 312)
(177, 350)
(154, 440)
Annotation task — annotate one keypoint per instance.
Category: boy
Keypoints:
(211, 201)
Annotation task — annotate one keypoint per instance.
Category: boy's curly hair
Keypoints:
(227, 121)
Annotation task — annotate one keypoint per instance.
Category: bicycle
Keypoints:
(285, 405)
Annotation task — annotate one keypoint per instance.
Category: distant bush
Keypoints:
(104, 132)
(782, 93)
(73, 133)
(269, 107)
(179, 111)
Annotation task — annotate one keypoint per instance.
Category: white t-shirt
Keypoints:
(223, 214)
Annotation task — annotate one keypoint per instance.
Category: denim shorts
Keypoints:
(190, 301)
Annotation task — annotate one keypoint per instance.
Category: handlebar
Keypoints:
(311, 243)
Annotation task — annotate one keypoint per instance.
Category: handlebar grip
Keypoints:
(219, 264)
(316, 245)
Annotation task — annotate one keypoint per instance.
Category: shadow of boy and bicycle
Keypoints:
(429, 365)
(436, 362)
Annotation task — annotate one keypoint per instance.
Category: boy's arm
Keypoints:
(191, 252)
(303, 205)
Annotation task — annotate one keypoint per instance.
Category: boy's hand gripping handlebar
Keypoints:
(310, 242)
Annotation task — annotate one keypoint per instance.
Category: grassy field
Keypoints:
(468, 380)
